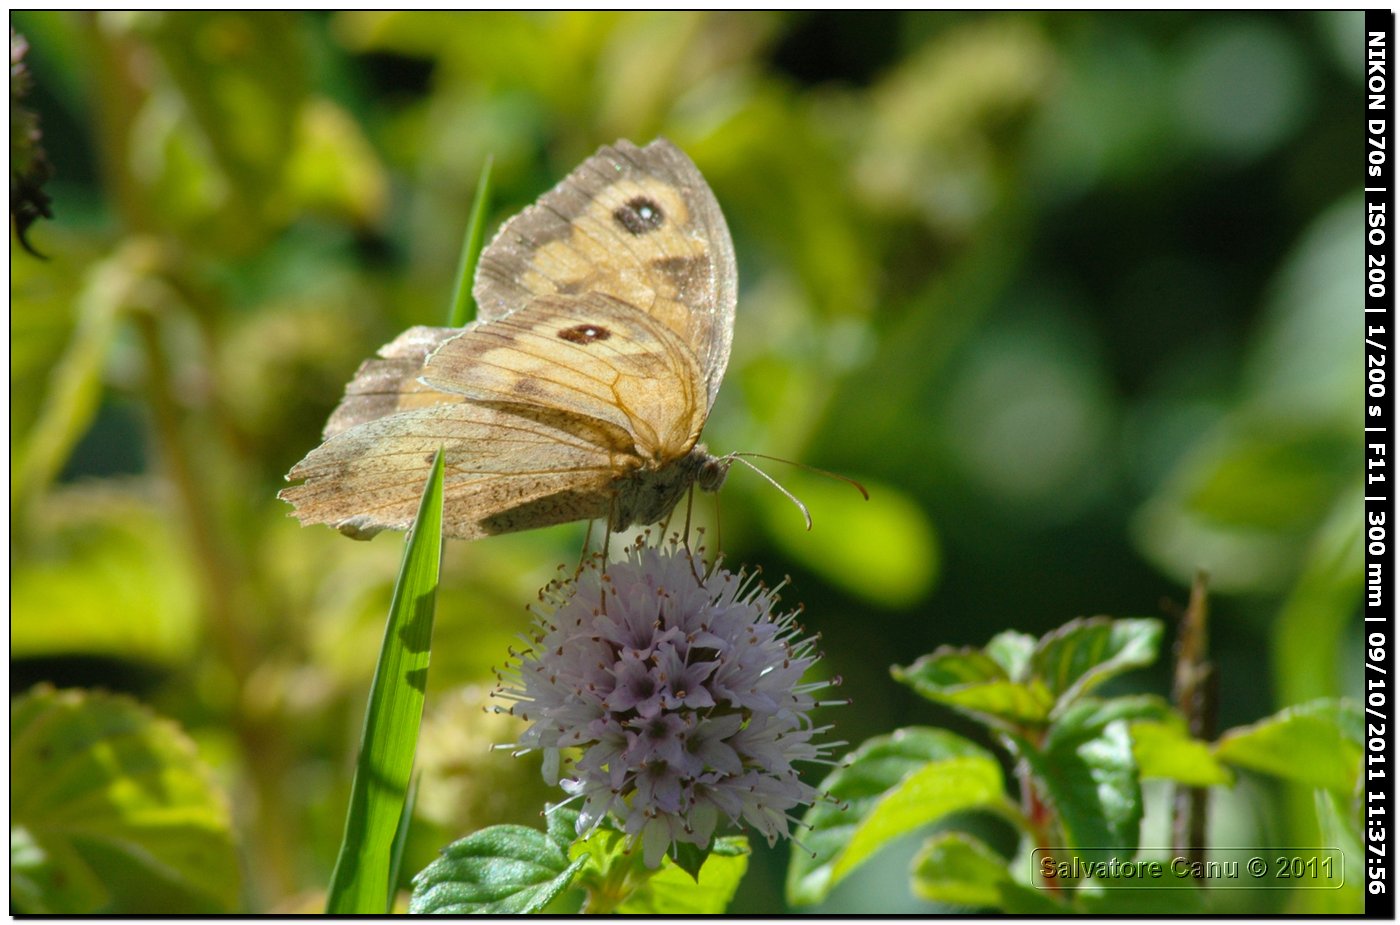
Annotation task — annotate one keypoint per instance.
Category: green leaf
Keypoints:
(1087, 770)
(689, 858)
(956, 868)
(400, 844)
(1175, 897)
(463, 305)
(891, 785)
(1317, 744)
(501, 870)
(672, 890)
(112, 812)
(975, 682)
(1012, 651)
(1339, 824)
(1084, 653)
(360, 882)
(1165, 749)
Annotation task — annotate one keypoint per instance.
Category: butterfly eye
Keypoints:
(640, 215)
(585, 333)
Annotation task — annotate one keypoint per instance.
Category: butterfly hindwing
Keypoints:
(587, 356)
(389, 382)
(370, 477)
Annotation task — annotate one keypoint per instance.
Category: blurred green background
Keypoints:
(1075, 295)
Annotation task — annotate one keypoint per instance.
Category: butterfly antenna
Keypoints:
(771, 481)
(831, 475)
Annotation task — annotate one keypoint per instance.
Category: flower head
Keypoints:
(681, 686)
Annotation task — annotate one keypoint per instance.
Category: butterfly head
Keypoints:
(712, 469)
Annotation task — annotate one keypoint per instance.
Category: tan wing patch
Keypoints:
(616, 246)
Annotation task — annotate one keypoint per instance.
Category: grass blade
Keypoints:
(401, 837)
(360, 883)
(463, 305)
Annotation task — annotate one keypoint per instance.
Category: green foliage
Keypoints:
(1317, 744)
(891, 785)
(512, 869)
(961, 870)
(1164, 748)
(113, 812)
(677, 889)
(1080, 761)
(1017, 685)
(501, 870)
(379, 795)
(1084, 765)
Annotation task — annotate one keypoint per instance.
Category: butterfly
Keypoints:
(605, 317)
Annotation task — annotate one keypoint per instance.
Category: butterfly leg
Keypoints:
(587, 540)
(689, 504)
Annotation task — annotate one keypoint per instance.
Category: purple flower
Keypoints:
(681, 686)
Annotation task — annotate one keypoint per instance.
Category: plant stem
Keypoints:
(1194, 688)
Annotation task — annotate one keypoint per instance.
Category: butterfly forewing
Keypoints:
(639, 224)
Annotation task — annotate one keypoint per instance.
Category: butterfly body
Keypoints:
(605, 317)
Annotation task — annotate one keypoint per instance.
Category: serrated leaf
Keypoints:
(1164, 749)
(1086, 769)
(1012, 651)
(502, 870)
(956, 868)
(1317, 744)
(672, 890)
(972, 681)
(360, 881)
(889, 786)
(112, 812)
(1084, 653)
